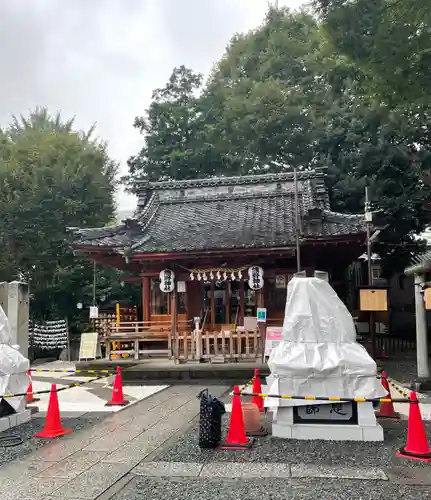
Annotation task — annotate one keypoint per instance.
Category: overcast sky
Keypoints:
(99, 60)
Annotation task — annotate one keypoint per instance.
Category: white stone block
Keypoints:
(327, 432)
(285, 415)
(23, 417)
(12, 420)
(4, 424)
(282, 431)
(4, 296)
(372, 433)
(18, 314)
(366, 415)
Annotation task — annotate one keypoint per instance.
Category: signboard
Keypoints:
(373, 299)
(261, 315)
(250, 323)
(328, 412)
(94, 312)
(89, 347)
(181, 286)
(273, 338)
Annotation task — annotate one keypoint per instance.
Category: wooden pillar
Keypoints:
(146, 298)
(227, 294)
(260, 299)
(241, 303)
(173, 344)
(212, 305)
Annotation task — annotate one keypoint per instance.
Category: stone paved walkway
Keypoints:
(85, 464)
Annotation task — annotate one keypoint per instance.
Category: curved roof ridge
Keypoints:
(234, 180)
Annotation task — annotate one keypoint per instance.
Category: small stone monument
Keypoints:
(319, 356)
(13, 378)
(18, 315)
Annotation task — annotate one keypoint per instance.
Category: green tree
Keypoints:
(51, 177)
(289, 98)
(388, 141)
(388, 40)
(260, 97)
(285, 95)
(175, 134)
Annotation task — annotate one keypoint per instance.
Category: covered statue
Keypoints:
(13, 371)
(319, 356)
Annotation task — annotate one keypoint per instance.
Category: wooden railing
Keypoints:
(226, 345)
(143, 337)
(393, 345)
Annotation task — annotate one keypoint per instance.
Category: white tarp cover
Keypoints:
(319, 355)
(13, 366)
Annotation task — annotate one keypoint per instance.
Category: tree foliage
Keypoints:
(175, 134)
(304, 92)
(51, 177)
(388, 40)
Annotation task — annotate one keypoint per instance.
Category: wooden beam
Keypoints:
(225, 253)
(241, 302)
(212, 302)
(146, 298)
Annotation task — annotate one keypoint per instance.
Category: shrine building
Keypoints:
(210, 252)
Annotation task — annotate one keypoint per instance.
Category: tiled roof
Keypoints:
(238, 212)
(112, 237)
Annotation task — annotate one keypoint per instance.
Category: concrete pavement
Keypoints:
(88, 398)
(86, 464)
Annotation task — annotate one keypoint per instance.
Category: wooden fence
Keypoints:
(394, 345)
(225, 345)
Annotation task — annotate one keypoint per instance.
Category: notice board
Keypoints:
(89, 347)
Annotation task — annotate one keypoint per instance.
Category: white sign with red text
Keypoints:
(273, 338)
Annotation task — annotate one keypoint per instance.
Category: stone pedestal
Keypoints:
(4, 296)
(18, 315)
(18, 418)
(365, 427)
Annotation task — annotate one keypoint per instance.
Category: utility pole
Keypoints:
(368, 220)
(297, 223)
(371, 322)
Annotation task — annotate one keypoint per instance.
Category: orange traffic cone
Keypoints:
(387, 409)
(30, 397)
(417, 444)
(257, 389)
(236, 438)
(117, 398)
(53, 427)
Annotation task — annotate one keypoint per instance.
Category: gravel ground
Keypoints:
(402, 368)
(269, 489)
(30, 444)
(269, 449)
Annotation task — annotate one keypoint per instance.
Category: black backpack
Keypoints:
(211, 411)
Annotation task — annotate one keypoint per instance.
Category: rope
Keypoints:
(48, 391)
(318, 398)
(398, 388)
(247, 384)
(10, 441)
(43, 370)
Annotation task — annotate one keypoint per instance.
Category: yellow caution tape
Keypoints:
(318, 398)
(43, 370)
(48, 391)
